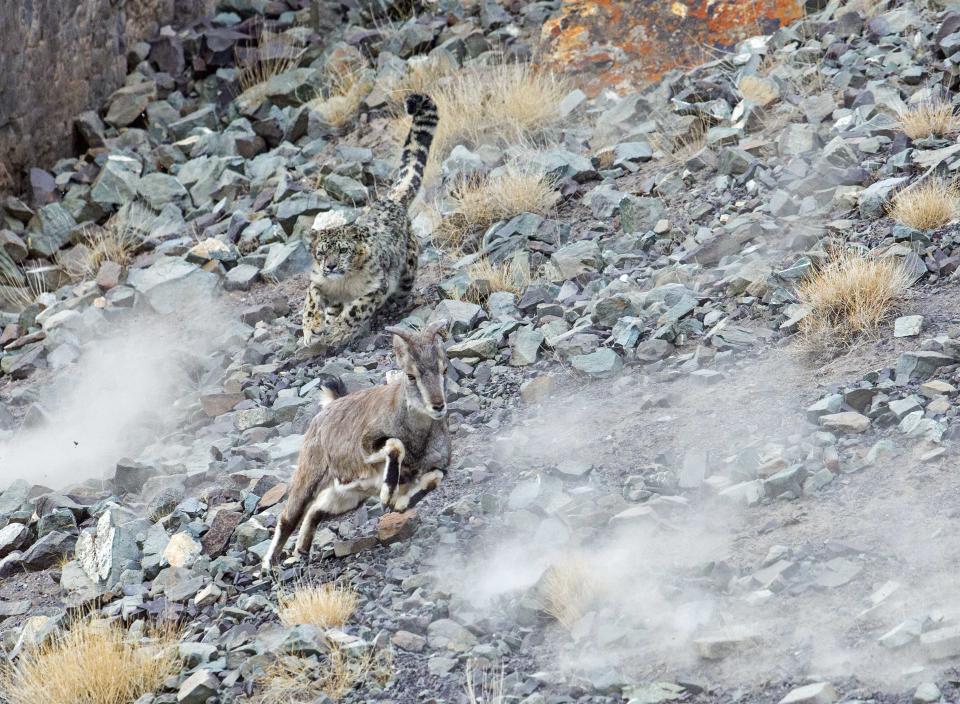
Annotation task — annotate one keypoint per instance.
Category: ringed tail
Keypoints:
(416, 149)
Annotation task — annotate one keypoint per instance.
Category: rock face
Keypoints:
(625, 43)
(81, 48)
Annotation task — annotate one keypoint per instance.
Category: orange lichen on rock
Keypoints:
(626, 44)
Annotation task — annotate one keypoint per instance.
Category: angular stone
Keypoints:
(129, 102)
(48, 551)
(12, 537)
(576, 258)
(117, 181)
(817, 693)
(920, 364)
(446, 634)
(907, 326)
(526, 344)
(396, 527)
(942, 643)
(198, 687)
(217, 537)
(171, 281)
(106, 550)
(602, 364)
(846, 422)
(182, 550)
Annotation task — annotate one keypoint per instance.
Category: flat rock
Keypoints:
(845, 422)
(817, 693)
(907, 326)
(396, 527)
(446, 634)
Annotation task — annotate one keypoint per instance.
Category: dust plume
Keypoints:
(128, 387)
(692, 585)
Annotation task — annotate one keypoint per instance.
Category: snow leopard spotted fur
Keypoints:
(361, 266)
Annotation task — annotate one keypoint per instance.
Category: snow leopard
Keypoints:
(359, 267)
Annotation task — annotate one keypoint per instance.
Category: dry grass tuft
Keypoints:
(484, 685)
(926, 206)
(512, 275)
(92, 663)
(480, 202)
(933, 118)
(502, 104)
(273, 54)
(323, 605)
(348, 86)
(295, 680)
(23, 288)
(117, 242)
(849, 296)
(568, 589)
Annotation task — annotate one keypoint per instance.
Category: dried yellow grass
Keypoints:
(348, 86)
(480, 202)
(500, 103)
(512, 275)
(848, 297)
(116, 242)
(92, 663)
(323, 605)
(933, 118)
(568, 590)
(275, 53)
(926, 206)
(23, 290)
(484, 685)
(295, 680)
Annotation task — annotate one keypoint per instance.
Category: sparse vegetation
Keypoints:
(505, 103)
(21, 289)
(568, 588)
(484, 685)
(273, 54)
(935, 118)
(116, 242)
(927, 205)
(323, 605)
(480, 202)
(92, 663)
(512, 275)
(348, 85)
(849, 296)
(295, 680)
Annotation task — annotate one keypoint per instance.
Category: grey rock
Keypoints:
(128, 103)
(640, 214)
(461, 316)
(602, 364)
(14, 497)
(907, 326)
(118, 181)
(198, 687)
(577, 258)
(920, 365)
(817, 693)
(446, 634)
(48, 551)
(107, 549)
(874, 197)
(845, 422)
(525, 347)
(285, 260)
(12, 537)
(170, 281)
(345, 189)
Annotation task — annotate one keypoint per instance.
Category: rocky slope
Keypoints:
(635, 430)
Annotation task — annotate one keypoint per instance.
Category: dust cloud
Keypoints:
(677, 588)
(132, 383)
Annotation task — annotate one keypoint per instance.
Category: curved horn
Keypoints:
(403, 333)
(436, 327)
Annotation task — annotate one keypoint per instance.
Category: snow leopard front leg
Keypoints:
(314, 316)
(354, 318)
